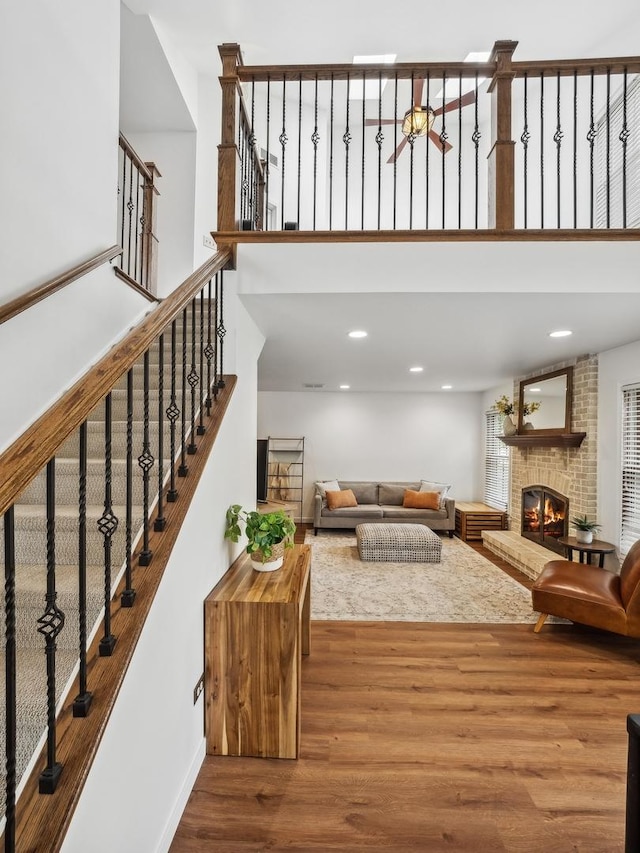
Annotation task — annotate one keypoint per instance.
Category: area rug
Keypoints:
(464, 587)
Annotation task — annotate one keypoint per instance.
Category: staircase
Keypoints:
(43, 546)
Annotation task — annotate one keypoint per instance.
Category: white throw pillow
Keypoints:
(325, 486)
(441, 488)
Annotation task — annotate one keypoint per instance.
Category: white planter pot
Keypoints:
(508, 426)
(584, 537)
(274, 562)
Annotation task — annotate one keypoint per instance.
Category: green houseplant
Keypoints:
(584, 529)
(268, 535)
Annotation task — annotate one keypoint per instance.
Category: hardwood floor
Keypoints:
(437, 737)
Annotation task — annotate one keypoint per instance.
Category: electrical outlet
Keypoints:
(208, 241)
(197, 690)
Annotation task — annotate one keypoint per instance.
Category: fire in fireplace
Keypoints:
(545, 516)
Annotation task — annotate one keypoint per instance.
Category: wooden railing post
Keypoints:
(227, 150)
(501, 156)
(149, 238)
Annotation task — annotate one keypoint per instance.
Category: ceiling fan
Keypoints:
(418, 121)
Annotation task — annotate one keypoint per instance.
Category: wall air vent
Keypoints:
(313, 385)
(273, 160)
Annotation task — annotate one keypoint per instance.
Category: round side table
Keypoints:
(586, 552)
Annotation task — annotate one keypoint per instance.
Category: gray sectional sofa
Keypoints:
(381, 502)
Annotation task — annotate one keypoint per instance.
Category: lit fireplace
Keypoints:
(545, 516)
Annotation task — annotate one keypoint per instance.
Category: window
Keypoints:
(630, 517)
(496, 463)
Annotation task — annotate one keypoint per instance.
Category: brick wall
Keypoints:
(573, 470)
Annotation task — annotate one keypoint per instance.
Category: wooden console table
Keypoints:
(473, 517)
(256, 631)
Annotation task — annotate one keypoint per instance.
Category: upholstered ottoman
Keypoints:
(398, 543)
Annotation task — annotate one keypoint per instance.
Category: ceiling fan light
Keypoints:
(418, 121)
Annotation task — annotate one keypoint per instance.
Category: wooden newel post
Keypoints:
(501, 156)
(149, 238)
(228, 154)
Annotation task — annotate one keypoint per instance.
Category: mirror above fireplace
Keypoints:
(550, 396)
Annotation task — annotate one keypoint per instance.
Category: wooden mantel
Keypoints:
(524, 441)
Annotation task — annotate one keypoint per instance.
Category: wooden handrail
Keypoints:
(567, 67)
(401, 70)
(22, 461)
(140, 165)
(26, 300)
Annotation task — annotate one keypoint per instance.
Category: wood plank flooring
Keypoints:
(437, 737)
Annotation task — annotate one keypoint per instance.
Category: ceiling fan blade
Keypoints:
(418, 87)
(373, 122)
(398, 151)
(465, 100)
(435, 138)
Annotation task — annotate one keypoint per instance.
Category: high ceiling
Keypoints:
(476, 339)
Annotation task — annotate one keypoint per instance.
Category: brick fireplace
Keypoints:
(568, 471)
(545, 516)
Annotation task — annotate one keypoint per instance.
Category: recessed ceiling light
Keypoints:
(345, 387)
(446, 387)
(560, 333)
(358, 333)
(416, 369)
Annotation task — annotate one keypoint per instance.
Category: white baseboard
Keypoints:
(176, 813)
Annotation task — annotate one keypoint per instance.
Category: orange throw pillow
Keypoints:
(421, 500)
(337, 500)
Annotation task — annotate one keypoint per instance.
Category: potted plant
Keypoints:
(506, 408)
(584, 529)
(268, 535)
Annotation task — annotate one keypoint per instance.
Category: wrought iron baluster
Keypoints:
(128, 594)
(331, 155)
(541, 149)
(379, 141)
(443, 143)
(475, 138)
(107, 525)
(201, 426)
(183, 468)
(624, 138)
(575, 149)
(460, 149)
(194, 380)
(124, 205)
(221, 331)
(10, 678)
(254, 159)
(145, 461)
(299, 146)
(315, 138)
(208, 350)
(160, 522)
(267, 167)
(608, 150)
(173, 413)
(82, 702)
(557, 138)
(346, 138)
(395, 148)
(283, 145)
(138, 277)
(49, 625)
(130, 207)
(411, 139)
(216, 307)
(526, 136)
(364, 83)
(591, 138)
(427, 148)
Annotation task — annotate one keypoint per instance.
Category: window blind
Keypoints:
(619, 164)
(630, 516)
(496, 463)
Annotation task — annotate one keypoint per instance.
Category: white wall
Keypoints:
(380, 436)
(59, 102)
(154, 744)
(208, 138)
(616, 367)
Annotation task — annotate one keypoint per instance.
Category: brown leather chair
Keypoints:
(590, 595)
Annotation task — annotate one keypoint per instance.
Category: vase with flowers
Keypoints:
(507, 408)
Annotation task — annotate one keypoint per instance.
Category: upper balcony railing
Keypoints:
(498, 145)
